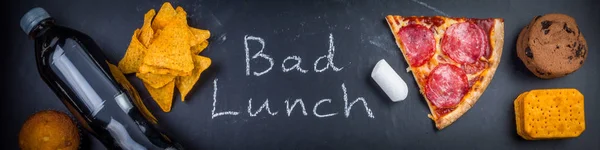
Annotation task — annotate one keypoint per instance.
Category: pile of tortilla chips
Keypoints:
(164, 54)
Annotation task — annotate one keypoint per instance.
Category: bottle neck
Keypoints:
(41, 28)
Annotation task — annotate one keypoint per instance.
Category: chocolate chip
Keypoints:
(540, 72)
(528, 52)
(579, 52)
(546, 31)
(546, 24)
(557, 47)
(570, 57)
(581, 62)
(536, 18)
(567, 29)
(569, 46)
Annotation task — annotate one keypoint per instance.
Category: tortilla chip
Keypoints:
(199, 48)
(180, 14)
(147, 33)
(162, 96)
(156, 34)
(182, 19)
(200, 35)
(156, 70)
(137, 100)
(180, 11)
(164, 16)
(155, 80)
(171, 49)
(134, 55)
(186, 83)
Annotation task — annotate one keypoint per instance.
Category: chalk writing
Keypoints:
(329, 56)
(289, 64)
(296, 66)
(265, 105)
(347, 107)
(258, 54)
(234, 113)
(261, 54)
(290, 109)
(317, 106)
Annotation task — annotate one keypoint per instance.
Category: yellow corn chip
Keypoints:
(117, 74)
(180, 11)
(137, 100)
(155, 80)
(186, 83)
(171, 49)
(147, 33)
(133, 56)
(155, 70)
(164, 16)
(156, 34)
(162, 96)
(199, 34)
(180, 19)
(163, 54)
(182, 16)
(199, 48)
(552, 114)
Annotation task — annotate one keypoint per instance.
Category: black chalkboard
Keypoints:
(307, 29)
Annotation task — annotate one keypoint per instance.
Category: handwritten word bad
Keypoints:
(262, 55)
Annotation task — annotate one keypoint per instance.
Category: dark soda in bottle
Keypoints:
(74, 67)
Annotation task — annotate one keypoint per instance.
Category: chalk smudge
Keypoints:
(430, 7)
(222, 38)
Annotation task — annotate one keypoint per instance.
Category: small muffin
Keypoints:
(552, 46)
(49, 129)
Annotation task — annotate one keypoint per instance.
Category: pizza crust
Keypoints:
(476, 90)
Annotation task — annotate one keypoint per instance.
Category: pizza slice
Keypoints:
(452, 60)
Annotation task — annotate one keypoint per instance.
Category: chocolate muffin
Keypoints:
(49, 129)
(552, 46)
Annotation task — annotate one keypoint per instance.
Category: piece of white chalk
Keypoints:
(389, 81)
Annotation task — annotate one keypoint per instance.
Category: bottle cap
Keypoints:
(32, 18)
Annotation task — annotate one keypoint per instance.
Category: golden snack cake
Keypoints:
(550, 114)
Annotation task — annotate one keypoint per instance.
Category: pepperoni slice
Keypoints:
(474, 67)
(464, 42)
(486, 25)
(446, 86)
(418, 42)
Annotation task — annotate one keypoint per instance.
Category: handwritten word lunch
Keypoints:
(289, 64)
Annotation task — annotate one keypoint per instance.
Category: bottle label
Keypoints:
(76, 81)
